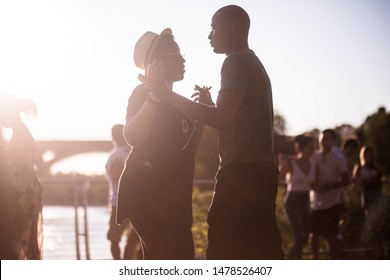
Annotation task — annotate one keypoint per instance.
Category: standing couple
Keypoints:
(155, 191)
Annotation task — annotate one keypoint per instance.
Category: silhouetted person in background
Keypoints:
(300, 178)
(7, 245)
(369, 180)
(155, 190)
(114, 168)
(242, 220)
(25, 190)
(350, 150)
(326, 201)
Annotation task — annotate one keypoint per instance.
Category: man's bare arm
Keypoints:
(218, 116)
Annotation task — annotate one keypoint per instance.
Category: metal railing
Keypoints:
(80, 190)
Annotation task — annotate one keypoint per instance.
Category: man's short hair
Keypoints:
(331, 133)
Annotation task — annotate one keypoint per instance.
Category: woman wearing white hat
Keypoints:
(155, 190)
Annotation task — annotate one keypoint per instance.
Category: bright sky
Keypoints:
(328, 60)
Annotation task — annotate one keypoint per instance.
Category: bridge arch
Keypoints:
(61, 150)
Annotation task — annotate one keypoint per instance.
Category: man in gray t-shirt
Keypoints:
(249, 136)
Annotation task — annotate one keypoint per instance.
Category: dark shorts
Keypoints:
(242, 220)
(326, 220)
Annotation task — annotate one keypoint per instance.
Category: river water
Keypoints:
(60, 238)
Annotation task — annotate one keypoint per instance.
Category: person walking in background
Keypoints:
(369, 181)
(155, 190)
(325, 198)
(25, 190)
(300, 177)
(242, 220)
(114, 168)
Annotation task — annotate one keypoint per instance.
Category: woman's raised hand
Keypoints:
(153, 79)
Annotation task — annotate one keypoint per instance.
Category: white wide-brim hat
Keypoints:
(145, 47)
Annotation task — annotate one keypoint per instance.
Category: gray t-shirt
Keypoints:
(249, 137)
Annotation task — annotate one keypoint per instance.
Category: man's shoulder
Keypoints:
(241, 55)
(339, 159)
(243, 59)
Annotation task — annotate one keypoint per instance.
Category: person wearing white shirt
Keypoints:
(325, 198)
(114, 167)
(299, 173)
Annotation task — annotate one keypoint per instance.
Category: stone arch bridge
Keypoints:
(51, 152)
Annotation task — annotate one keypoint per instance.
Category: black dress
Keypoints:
(155, 190)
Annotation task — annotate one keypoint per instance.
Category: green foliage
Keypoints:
(280, 124)
(283, 223)
(207, 159)
(375, 132)
(201, 201)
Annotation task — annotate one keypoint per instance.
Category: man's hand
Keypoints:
(202, 95)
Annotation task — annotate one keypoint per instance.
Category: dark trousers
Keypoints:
(297, 210)
(242, 220)
(167, 243)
